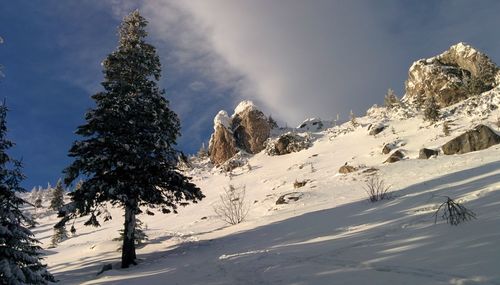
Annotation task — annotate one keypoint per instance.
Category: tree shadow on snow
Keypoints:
(388, 241)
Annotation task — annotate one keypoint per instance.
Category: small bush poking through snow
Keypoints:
(376, 189)
(232, 207)
(454, 212)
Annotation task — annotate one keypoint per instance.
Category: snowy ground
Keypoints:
(332, 235)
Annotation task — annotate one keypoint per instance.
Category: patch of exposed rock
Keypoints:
(452, 76)
(388, 147)
(287, 143)
(247, 129)
(289, 198)
(344, 169)
(426, 153)
(395, 156)
(251, 129)
(376, 129)
(222, 145)
(479, 138)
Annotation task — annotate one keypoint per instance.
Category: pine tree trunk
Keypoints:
(128, 249)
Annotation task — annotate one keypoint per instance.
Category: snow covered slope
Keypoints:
(332, 234)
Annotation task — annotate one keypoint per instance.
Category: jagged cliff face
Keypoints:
(452, 76)
(247, 129)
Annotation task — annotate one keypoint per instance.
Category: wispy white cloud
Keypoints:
(298, 59)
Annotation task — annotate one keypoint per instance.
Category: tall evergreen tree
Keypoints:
(57, 196)
(126, 154)
(20, 261)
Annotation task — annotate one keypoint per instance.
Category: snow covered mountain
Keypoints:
(309, 224)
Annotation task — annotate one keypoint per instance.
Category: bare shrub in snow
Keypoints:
(232, 207)
(454, 212)
(376, 189)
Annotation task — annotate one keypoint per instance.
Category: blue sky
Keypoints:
(295, 59)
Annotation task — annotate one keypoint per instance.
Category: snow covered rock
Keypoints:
(238, 160)
(479, 138)
(344, 169)
(251, 127)
(452, 76)
(289, 198)
(222, 145)
(311, 124)
(388, 147)
(247, 129)
(426, 153)
(395, 156)
(222, 119)
(376, 129)
(287, 143)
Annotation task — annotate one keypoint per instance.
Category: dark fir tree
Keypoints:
(57, 196)
(20, 260)
(127, 155)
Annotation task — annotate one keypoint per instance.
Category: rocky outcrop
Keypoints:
(222, 145)
(247, 129)
(395, 156)
(251, 129)
(287, 143)
(452, 76)
(479, 138)
(426, 153)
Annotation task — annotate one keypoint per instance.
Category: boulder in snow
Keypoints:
(425, 153)
(481, 137)
(287, 143)
(344, 169)
(311, 124)
(376, 129)
(395, 156)
(289, 197)
(387, 148)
